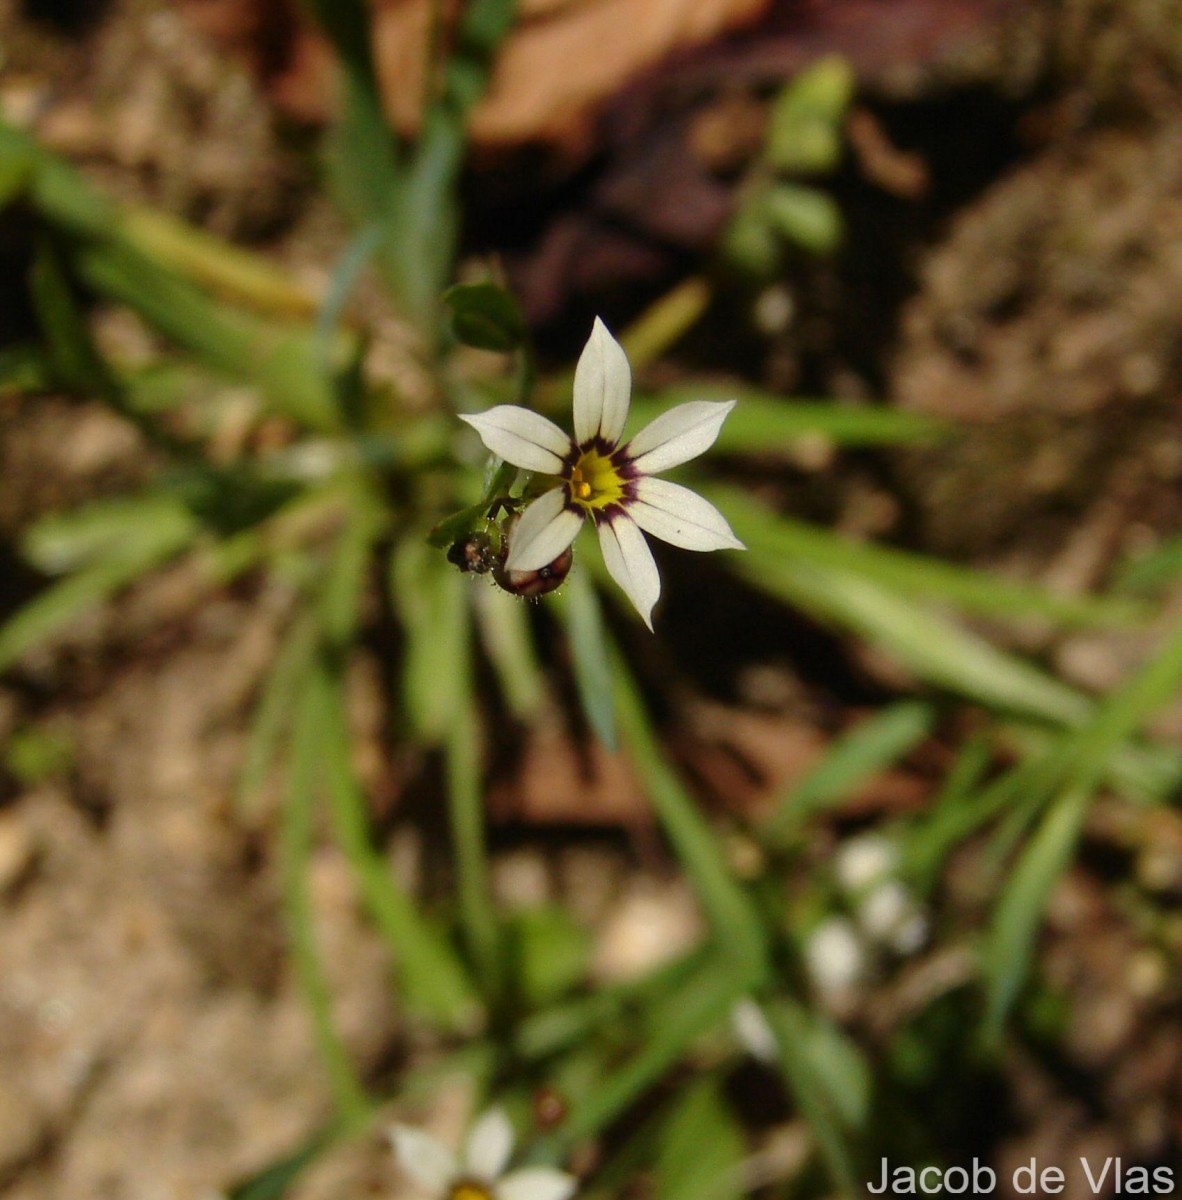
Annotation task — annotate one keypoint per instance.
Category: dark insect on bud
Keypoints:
(475, 553)
(532, 584)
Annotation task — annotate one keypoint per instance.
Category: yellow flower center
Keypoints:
(468, 1190)
(594, 481)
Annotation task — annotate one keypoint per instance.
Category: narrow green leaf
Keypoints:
(134, 528)
(343, 588)
(362, 156)
(503, 621)
(430, 597)
(701, 1147)
(1032, 782)
(74, 356)
(932, 647)
(274, 713)
(52, 610)
(849, 762)
(733, 917)
(775, 425)
(297, 842)
(814, 1091)
(283, 359)
(55, 189)
(672, 1024)
(555, 1029)
(275, 1180)
(434, 981)
(549, 954)
(929, 838)
(770, 534)
(232, 273)
(1020, 910)
(579, 608)
(18, 166)
(1152, 572)
(1089, 752)
(462, 749)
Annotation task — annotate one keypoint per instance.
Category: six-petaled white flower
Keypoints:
(479, 1172)
(608, 481)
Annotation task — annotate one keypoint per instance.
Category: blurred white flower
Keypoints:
(886, 911)
(601, 478)
(753, 1031)
(889, 915)
(479, 1172)
(863, 861)
(834, 956)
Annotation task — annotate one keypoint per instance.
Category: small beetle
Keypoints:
(475, 553)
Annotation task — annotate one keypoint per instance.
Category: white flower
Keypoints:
(834, 956)
(753, 1031)
(479, 1173)
(864, 861)
(889, 915)
(886, 910)
(608, 481)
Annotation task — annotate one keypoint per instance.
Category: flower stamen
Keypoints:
(595, 481)
(466, 1189)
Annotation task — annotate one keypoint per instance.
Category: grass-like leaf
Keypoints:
(52, 610)
(587, 637)
(672, 1024)
(1089, 753)
(430, 597)
(771, 425)
(503, 623)
(816, 1080)
(929, 645)
(433, 979)
(733, 917)
(297, 836)
(770, 534)
(701, 1147)
(849, 761)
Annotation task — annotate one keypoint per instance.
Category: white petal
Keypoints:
(630, 563)
(678, 435)
(424, 1158)
(603, 386)
(489, 1145)
(536, 1183)
(545, 530)
(680, 517)
(521, 437)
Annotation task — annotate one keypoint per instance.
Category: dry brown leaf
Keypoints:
(563, 59)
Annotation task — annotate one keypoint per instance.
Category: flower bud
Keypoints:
(532, 584)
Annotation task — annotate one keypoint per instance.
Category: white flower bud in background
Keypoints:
(889, 915)
(753, 1031)
(886, 912)
(834, 957)
(864, 861)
